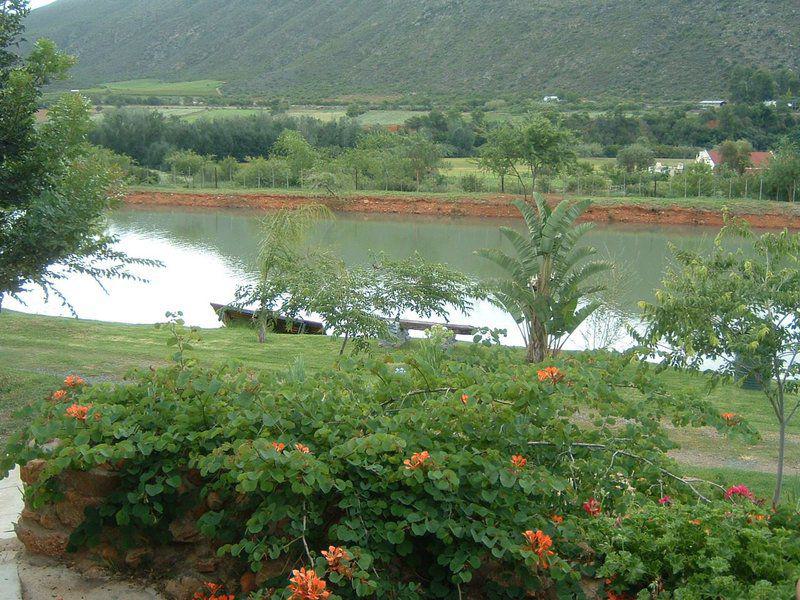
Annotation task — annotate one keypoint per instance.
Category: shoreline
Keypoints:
(498, 206)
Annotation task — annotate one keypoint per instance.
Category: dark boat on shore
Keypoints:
(281, 324)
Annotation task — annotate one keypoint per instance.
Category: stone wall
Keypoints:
(179, 568)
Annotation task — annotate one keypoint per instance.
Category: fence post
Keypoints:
(685, 186)
(761, 189)
(746, 181)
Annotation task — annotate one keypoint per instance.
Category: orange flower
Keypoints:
(59, 395)
(73, 381)
(557, 519)
(337, 557)
(551, 374)
(518, 461)
(464, 399)
(214, 590)
(539, 543)
(302, 448)
(730, 418)
(279, 447)
(592, 507)
(695, 521)
(306, 585)
(417, 460)
(76, 411)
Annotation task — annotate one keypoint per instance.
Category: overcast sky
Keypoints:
(38, 3)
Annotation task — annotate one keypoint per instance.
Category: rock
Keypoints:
(71, 510)
(184, 530)
(206, 565)
(248, 582)
(214, 501)
(269, 571)
(93, 483)
(183, 588)
(45, 516)
(39, 540)
(29, 472)
(135, 557)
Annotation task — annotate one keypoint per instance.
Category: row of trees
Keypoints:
(378, 161)
(148, 136)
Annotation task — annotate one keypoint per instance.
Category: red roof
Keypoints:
(758, 160)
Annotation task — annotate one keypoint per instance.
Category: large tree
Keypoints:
(54, 187)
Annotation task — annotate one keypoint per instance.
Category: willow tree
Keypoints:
(300, 277)
(549, 280)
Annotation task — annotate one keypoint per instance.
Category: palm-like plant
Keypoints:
(549, 279)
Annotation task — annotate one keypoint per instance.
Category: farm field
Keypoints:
(154, 87)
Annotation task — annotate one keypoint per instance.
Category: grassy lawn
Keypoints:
(154, 87)
(37, 352)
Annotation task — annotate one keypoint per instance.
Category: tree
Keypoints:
(54, 188)
(736, 309)
(423, 155)
(548, 276)
(783, 173)
(544, 146)
(355, 110)
(300, 155)
(185, 162)
(736, 155)
(356, 303)
(499, 152)
(636, 157)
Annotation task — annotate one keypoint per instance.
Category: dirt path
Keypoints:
(490, 206)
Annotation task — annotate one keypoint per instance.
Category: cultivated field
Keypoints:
(154, 87)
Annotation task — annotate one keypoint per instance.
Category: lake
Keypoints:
(208, 252)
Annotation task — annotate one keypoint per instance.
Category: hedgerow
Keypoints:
(426, 473)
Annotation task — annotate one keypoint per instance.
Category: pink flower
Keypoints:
(592, 507)
(665, 500)
(739, 490)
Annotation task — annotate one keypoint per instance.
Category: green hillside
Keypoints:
(630, 48)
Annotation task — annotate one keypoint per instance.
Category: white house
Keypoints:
(712, 158)
(712, 103)
(551, 99)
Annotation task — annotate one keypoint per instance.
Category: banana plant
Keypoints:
(549, 278)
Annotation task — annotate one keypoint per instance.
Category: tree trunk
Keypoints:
(344, 343)
(776, 498)
(502, 184)
(262, 333)
(537, 343)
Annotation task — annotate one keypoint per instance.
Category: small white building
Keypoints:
(551, 99)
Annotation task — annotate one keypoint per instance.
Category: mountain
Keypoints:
(629, 48)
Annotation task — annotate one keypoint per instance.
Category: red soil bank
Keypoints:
(494, 206)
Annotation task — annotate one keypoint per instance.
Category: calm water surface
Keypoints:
(208, 252)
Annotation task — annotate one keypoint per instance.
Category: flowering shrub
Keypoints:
(408, 492)
(306, 585)
(697, 551)
(214, 593)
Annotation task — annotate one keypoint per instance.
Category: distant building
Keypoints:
(551, 99)
(712, 103)
(771, 103)
(712, 158)
(663, 169)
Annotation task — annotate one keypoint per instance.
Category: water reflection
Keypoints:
(208, 252)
